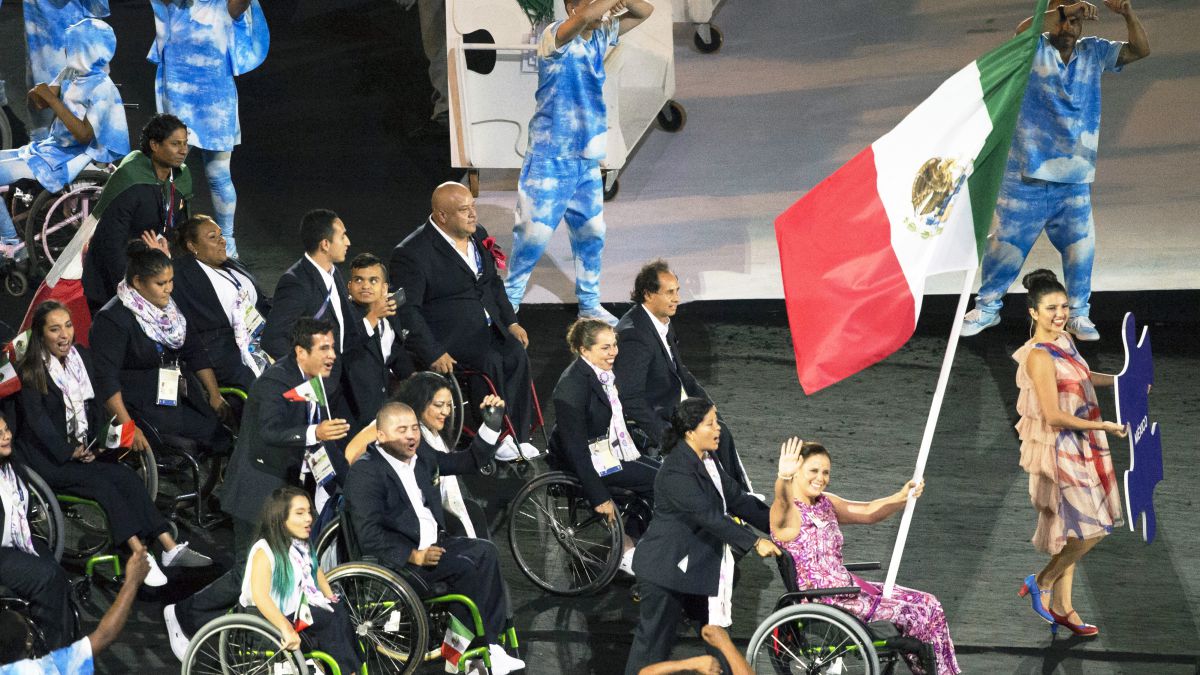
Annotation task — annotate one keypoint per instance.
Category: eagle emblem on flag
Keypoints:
(935, 187)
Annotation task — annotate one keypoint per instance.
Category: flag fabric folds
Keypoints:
(856, 249)
(312, 391)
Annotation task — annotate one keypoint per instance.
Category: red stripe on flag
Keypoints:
(70, 293)
(848, 303)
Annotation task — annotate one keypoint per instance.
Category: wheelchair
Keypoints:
(398, 616)
(247, 643)
(801, 636)
(559, 541)
(461, 426)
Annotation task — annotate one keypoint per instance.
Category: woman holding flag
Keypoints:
(149, 365)
(284, 583)
(62, 435)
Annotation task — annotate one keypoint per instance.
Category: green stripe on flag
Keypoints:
(1003, 75)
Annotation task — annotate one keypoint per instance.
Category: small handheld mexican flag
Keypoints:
(458, 638)
(9, 382)
(312, 391)
(117, 435)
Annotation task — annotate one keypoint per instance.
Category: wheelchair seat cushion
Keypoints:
(882, 630)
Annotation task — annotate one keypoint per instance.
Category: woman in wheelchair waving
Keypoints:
(61, 422)
(284, 583)
(590, 435)
(805, 522)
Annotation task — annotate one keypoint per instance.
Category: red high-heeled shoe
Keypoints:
(1080, 629)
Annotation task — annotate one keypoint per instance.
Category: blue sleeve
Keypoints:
(1106, 52)
(251, 39)
(611, 28)
(75, 658)
(106, 114)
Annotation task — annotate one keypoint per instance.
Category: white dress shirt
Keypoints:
(334, 301)
(387, 336)
(429, 525)
(228, 284)
(662, 328)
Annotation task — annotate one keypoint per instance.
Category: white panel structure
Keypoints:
(490, 112)
(708, 37)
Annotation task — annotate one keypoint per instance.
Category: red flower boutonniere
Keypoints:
(497, 252)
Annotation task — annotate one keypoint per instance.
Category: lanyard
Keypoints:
(169, 207)
(230, 277)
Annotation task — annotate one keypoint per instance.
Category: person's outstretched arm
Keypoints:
(1081, 11)
(717, 638)
(636, 11)
(136, 568)
(578, 22)
(866, 513)
(1138, 45)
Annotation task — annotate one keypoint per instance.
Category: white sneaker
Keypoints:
(507, 450)
(179, 641)
(1082, 328)
(976, 321)
(502, 663)
(626, 565)
(155, 577)
(598, 312)
(529, 450)
(182, 556)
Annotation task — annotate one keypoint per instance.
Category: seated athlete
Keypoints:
(396, 512)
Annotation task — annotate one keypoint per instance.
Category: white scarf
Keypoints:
(165, 326)
(15, 496)
(72, 379)
(452, 497)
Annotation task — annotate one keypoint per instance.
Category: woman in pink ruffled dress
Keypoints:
(805, 522)
(1071, 479)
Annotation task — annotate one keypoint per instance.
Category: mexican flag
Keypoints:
(117, 435)
(856, 250)
(312, 391)
(9, 382)
(458, 638)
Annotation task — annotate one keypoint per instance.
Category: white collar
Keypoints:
(659, 325)
(599, 371)
(398, 464)
(327, 276)
(448, 238)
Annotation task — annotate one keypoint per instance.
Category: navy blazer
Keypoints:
(581, 413)
(690, 524)
(126, 360)
(367, 372)
(197, 299)
(384, 520)
(445, 303)
(271, 445)
(43, 427)
(301, 292)
(650, 379)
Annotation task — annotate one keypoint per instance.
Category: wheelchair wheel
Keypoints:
(240, 643)
(45, 518)
(452, 432)
(558, 540)
(56, 216)
(387, 616)
(86, 533)
(813, 639)
(331, 546)
(21, 607)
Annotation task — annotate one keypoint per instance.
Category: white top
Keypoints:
(302, 576)
(225, 283)
(720, 606)
(334, 302)
(387, 336)
(429, 525)
(662, 328)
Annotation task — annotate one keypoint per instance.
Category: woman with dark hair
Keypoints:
(27, 566)
(429, 396)
(805, 522)
(685, 561)
(149, 366)
(590, 437)
(146, 197)
(284, 583)
(61, 422)
(1072, 484)
(221, 301)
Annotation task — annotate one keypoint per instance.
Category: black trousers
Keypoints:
(658, 620)
(120, 492)
(637, 477)
(215, 599)
(199, 424)
(43, 583)
(471, 567)
(506, 364)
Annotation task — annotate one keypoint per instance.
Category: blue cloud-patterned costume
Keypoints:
(89, 94)
(1047, 183)
(199, 49)
(46, 38)
(74, 659)
(568, 136)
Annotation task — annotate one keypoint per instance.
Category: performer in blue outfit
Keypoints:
(46, 37)
(568, 136)
(1047, 184)
(200, 46)
(89, 121)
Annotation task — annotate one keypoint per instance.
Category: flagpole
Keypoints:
(930, 426)
(324, 397)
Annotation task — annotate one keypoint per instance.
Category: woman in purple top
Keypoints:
(805, 522)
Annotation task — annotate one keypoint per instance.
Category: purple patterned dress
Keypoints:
(817, 550)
